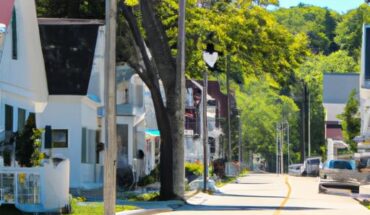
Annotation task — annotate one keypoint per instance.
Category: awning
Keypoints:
(152, 132)
(340, 144)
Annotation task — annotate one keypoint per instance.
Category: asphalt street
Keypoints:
(262, 194)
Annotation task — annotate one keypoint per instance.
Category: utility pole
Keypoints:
(277, 149)
(288, 140)
(110, 108)
(281, 147)
(309, 122)
(228, 106)
(178, 150)
(303, 146)
(205, 130)
(240, 142)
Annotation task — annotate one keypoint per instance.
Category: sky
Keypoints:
(341, 6)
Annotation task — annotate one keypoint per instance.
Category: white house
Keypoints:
(130, 117)
(55, 73)
(364, 139)
(53, 69)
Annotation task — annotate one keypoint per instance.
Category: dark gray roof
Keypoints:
(338, 86)
(68, 47)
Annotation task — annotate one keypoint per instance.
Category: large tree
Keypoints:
(153, 66)
(351, 122)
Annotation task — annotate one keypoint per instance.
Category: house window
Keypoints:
(21, 119)
(8, 118)
(14, 36)
(88, 146)
(59, 138)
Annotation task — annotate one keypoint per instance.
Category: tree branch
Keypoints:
(150, 76)
(158, 43)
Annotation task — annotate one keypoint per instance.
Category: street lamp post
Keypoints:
(240, 141)
(210, 57)
(280, 134)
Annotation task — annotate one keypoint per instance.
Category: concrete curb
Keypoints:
(145, 211)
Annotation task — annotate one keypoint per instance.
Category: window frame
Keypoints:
(58, 144)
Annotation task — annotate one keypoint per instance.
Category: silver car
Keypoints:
(339, 174)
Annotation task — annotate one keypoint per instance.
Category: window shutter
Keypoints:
(48, 138)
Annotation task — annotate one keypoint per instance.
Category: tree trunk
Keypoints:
(170, 116)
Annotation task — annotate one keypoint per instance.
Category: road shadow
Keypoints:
(252, 183)
(189, 207)
(248, 196)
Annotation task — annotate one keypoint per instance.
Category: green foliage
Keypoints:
(28, 147)
(225, 181)
(91, 9)
(151, 178)
(317, 23)
(83, 208)
(351, 120)
(25, 143)
(366, 203)
(255, 41)
(311, 73)
(262, 108)
(349, 30)
(194, 168)
(338, 61)
(37, 155)
(153, 196)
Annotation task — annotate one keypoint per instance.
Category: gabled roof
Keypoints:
(68, 46)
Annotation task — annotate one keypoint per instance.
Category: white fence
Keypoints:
(37, 189)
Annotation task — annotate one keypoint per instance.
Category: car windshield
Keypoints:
(314, 161)
(336, 164)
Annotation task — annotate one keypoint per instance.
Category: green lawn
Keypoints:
(366, 204)
(78, 207)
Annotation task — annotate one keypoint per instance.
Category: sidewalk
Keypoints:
(151, 207)
(154, 207)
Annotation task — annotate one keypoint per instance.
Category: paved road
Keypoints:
(260, 194)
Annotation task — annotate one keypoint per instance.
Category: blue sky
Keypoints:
(339, 5)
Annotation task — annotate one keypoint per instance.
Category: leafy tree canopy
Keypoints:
(256, 43)
(316, 22)
(349, 31)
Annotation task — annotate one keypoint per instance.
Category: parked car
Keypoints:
(295, 169)
(311, 166)
(364, 164)
(339, 174)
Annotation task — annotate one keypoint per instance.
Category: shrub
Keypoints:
(145, 197)
(151, 178)
(194, 168)
(25, 143)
